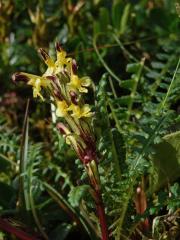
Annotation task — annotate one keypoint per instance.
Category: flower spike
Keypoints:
(64, 88)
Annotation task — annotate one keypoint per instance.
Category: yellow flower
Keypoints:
(37, 84)
(51, 68)
(80, 84)
(62, 108)
(35, 81)
(49, 62)
(62, 61)
(57, 66)
(61, 57)
(78, 112)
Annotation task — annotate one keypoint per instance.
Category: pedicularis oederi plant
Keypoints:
(65, 88)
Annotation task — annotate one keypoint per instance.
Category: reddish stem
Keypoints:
(7, 227)
(92, 170)
(102, 217)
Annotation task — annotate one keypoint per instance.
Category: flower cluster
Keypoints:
(61, 82)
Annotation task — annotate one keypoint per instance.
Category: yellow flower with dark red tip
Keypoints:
(61, 58)
(62, 61)
(62, 108)
(59, 65)
(49, 62)
(79, 84)
(20, 77)
(79, 112)
(35, 81)
(38, 83)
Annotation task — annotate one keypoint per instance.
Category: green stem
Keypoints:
(114, 115)
(85, 215)
(133, 92)
(160, 77)
(32, 204)
(149, 141)
(61, 202)
(114, 153)
(112, 87)
(77, 218)
(35, 216)
(126, 52)
(23, 188)
(124, 209)
(102, 60)
(170, 86)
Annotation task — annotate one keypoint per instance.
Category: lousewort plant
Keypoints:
(61, 83)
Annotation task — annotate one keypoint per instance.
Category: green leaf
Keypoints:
(128, 84)
(162, 56)
(124, 19)
(164, 85)
(116, 13)
(104, 18)
(120, 147)
(132, 67)
(167, 159)
(175, 190)
(96, 27)
(157, 65)
(124, 100)
(153, 74)
(76, 194)
(2, 235)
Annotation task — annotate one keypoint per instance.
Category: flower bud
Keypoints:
(74, 66)
(58, 95)
(58, 46)
(62, 128)
(74, 97)
(52, 78)
(45, 56)
(20, 77)
(87, 154)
